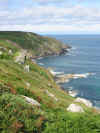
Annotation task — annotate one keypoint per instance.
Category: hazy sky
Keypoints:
(51, 16)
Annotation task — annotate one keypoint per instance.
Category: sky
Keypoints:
(51, 16)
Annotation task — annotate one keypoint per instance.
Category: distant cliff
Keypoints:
(36, 44)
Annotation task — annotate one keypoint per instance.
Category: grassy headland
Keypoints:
(37, 45)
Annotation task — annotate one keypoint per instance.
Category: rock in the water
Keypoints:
(66, 77)
(72, 93)
(75, 108)
(28, 84)
(84, 101)
(51, 95)
(27, 68)
(32, 101)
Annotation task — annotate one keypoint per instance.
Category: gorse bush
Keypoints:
(5, 56)
(73, 123)
(16, 115)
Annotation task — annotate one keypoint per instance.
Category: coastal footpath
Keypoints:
(30, 99)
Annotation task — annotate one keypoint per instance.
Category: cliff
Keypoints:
(37, 45)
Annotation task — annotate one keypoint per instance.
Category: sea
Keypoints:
(83, 58)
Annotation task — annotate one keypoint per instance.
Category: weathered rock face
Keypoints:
(84, 101)
(31, 101)
(64, 50)
(75, 108)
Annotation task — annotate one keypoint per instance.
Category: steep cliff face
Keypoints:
(36, 44)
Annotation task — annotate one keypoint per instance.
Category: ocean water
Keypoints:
(83, 58)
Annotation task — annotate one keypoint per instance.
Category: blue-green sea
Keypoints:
(84, 57)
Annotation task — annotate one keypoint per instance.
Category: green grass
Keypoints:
(18, 116)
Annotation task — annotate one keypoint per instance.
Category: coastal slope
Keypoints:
(31, 101)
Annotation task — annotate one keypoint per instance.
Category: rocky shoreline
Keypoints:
(66, 77)
(62, 78)
(63, 51)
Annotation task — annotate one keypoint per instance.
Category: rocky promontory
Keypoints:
(36, 45)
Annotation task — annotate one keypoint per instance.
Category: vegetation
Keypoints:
(36, 44)
(19, 116)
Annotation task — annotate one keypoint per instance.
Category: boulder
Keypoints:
(75, 108)
(19, 60)
(32, 101)
(10, 52)
(1, 52)
(84, 101)
(51, 95)
(66, 77)
(21, 57)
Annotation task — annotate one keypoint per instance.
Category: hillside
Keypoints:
(31, 101)
(36, 44)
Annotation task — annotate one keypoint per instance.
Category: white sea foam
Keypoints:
(73, 48)
(66, 81)
(69, 49)
(77, 76)
(85, 75)
(40, 58)
(41, 64)
(65, 78)
(71, 52)
(56, 73)
(73, 93)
